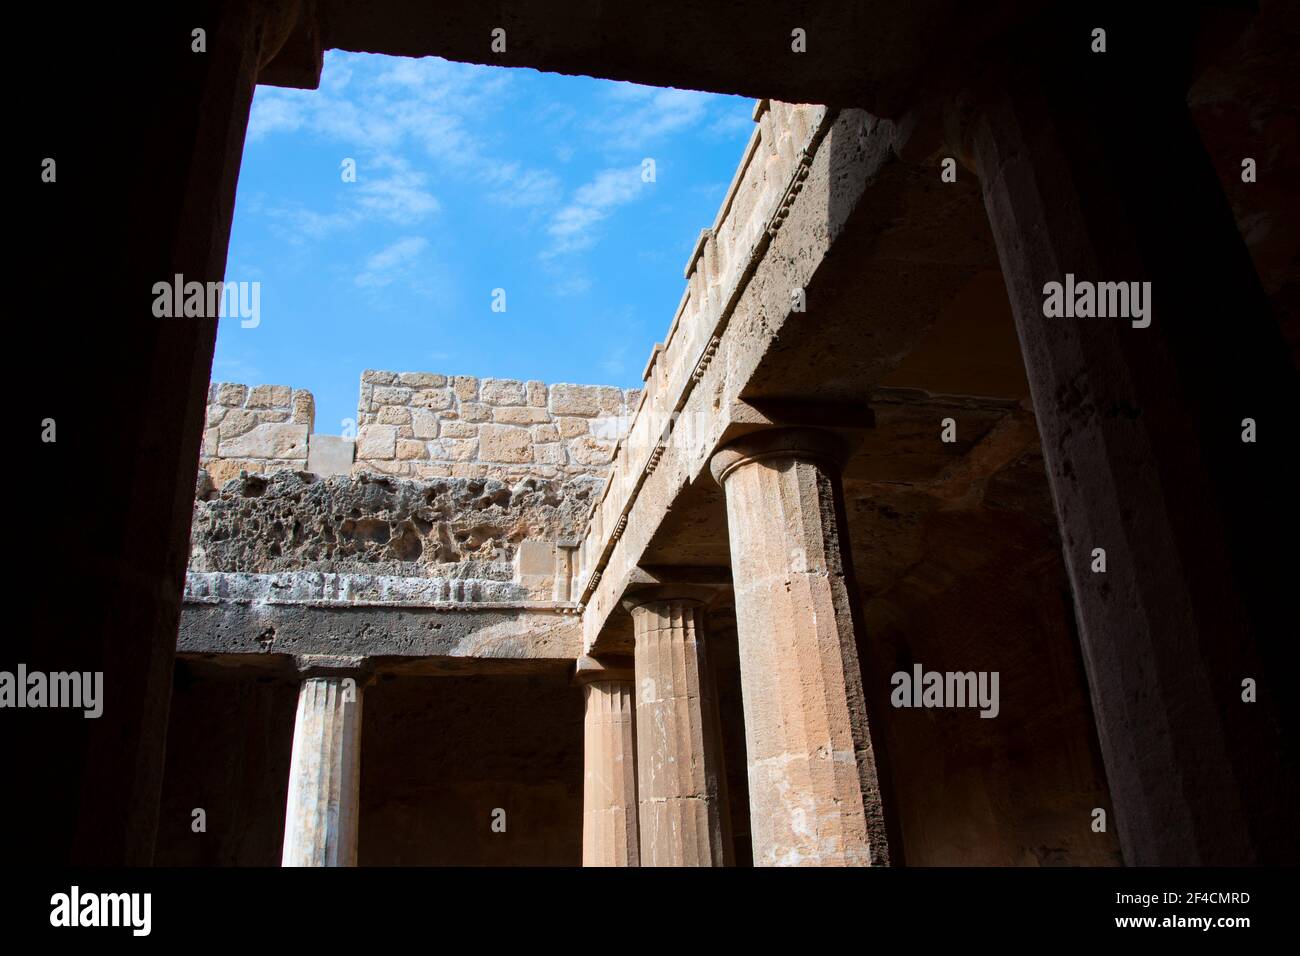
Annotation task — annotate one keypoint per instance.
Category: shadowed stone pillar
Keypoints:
(813, 789)
(1094, 172)
(680, 784)
(163, 197)
(609, 811)
(320, 825)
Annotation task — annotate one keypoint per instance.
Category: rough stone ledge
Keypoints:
(330, 589)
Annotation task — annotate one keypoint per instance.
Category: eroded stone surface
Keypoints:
(291, 521)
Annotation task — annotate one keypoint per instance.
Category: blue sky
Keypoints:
(468, 179)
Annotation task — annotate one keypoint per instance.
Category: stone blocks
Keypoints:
(506, 443)
(329, 455)
(424, 424)
(377, 442)
(282, 441)
(255, 429)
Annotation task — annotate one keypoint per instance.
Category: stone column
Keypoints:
(1170, 522)
(163, 197)
(683, 809)
(609, 807)
(814, 795)
(320, 824)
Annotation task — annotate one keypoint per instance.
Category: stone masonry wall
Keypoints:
(257, 429)
(425, 425)
(479, 487)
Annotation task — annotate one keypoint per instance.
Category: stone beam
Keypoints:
(539, 632)
(300, 56)
(740, 356)
(874, 53)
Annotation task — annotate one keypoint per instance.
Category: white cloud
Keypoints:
(398, 197)
(572, 285)
(387, 189)
(571, 227)
(408, 117)
(732, 124)
(392, 262)
(614, 363)
(644, 115)
(512, 185)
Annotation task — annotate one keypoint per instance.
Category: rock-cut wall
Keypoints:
(481, 485)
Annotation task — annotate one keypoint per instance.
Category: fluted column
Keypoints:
(320, 826)
(814, 794)
(609, 802)
(1143, 433)
(680, 784)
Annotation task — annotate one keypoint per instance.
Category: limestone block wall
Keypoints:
(427, 425)
(258, 429)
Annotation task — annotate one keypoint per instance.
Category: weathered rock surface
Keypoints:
(446, 528)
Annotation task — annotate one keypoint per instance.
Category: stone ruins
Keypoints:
(513, 623)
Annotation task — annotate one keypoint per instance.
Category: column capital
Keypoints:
(360, 669)
(804, 444)
(589, 669)
(684, 596)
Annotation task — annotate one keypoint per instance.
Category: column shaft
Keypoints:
(609, 797)
(320, 826)
(683, 813)
(1142, 435)
(163, 196)
(814, 793)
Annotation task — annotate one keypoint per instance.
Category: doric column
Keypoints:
(320, 823)
(1170, 513)
(814, 795)
(609, 805)
(682, 799)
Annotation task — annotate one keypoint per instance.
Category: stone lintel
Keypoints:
(296, 630)
(298, 63)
